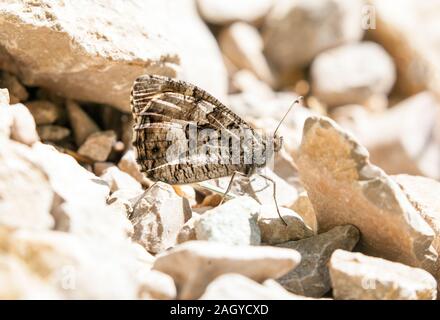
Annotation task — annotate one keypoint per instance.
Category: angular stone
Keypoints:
(157, 285)
(345, 188)
(17, 91)
(53, 133)
(304, 208)
(23, 127)
(128, 164)
(26, 195)
(311, 278)
(274, 231)
(91, 52)
(98, 145)
(358, 277)
(188, 231)
(43, 111)
(82, 125)
(158, 217)
(208, 260)
(341, 76)
(233, 223)
(118, 179)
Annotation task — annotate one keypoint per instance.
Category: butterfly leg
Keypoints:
(230, 185)
(140, 198)
(274, 195)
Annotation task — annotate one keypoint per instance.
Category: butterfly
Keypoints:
(165, 110)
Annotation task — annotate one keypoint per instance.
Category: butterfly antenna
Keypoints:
(297, 100)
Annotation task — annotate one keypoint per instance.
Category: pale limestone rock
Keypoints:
(296, 31)
(212, 259)
(23, 126)
(98, 145)
(358, 277)
(311, 277)
(274, 231)
(352, 73)
(228, 11)
(52, 133)
(157, 285)
(233, 223)
(188, 192)
(345, 188)
(91, 51)
(188, 231)
(100, 167)
(82, 125)
(17, 91)
(26, 195)
(246, 81)
(118, 179)
(6, 121)
(285, 168)
(129, 165)
(243, 46)
(4, 97)
(304, 208)
(158, 217)
(43, 111)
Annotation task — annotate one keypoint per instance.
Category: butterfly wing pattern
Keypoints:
(164, 112)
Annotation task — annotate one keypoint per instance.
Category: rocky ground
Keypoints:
(357, 178)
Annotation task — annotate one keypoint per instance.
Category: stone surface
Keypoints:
(98, 145)
(82, 125)
(157, 285)
(17, 91)
(158, 217)
(23, 126)
(318, 25)
(118, 179)
(233, 223)
(4, 96)
(212, 259)
(304, 208)
(243, 46)
(311, 277)
(396, 142)
(233, 10)
(274, 231)
(6, 121)
(342, 76)
(188, 231)
(52, 133)
(43, 111)
(128, 164)
(345, 188)
(359, 277)
(26, 195)
(92, 52)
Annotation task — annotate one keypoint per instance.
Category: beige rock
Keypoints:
(6, 121)
(318, 25)
(100, 167)
(233, 286)
(23, 127)
(91, 52)
(157, 285)
(243, 45)
(304, 208)
(286, 169)
(128, 164)
(359, 277)
(274, 231)
(396, 142)
(233, 10)
(98, 145)
(82, 125)
(158, 217)
(43, 111)
(53, 133)
(342, 76)
(118, 179)
(232, 223)
(25, 192)
(186, 191)
(311, 277)
(188, 231)
(17, 91)
(246, 81)
(345, 188)
(212, 259)
(4, 96)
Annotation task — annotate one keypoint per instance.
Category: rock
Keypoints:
(318, 25)
(304, 208)
(345, 188)
(53, 133)
(286, 169)
(4, 97)
(243, 45)
(359, 277)
(98, 145)
(232, 10)
(311, 277)
(186, 191)
(118, 179)
(6, 121)
(233, 286)
(274, 231)
(92, 52)
(23, 126)
(157, 285)
(158, 217)
(212, 259)
(188, 231)
(100, 167)
(83, 126)
(341, 76)
(246, 81)
(17, 91)
(233, 223)
(25, 192)
(396, 142)
(128, 164)
(43, 111)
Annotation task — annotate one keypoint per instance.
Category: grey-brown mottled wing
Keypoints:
(164, 112)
